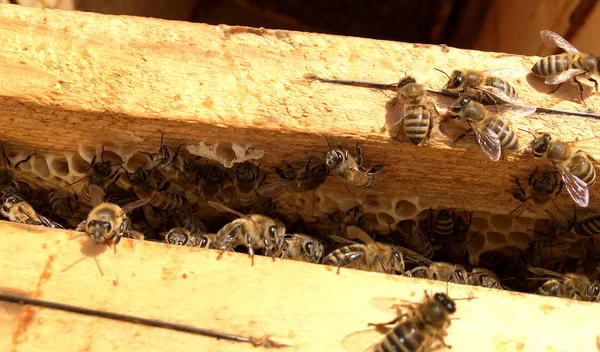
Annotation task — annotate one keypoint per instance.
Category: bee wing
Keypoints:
(578, 189)
(563, 76)
(554, 40)
(520, 209)
(414, 256)
(96, 194)
(271, 189)
(555, 213)
(395, 112)
(511, 113)
(498, 93)
(135, 204)
(362, 340)
(222, 208)
(488, 140)
(341, 240)
(507, 73)
(545, 272)
(49, 223)
(357, 232)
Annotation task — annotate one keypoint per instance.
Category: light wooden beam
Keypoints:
(71, 78)
(307, 306)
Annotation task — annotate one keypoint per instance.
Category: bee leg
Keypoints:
(580, 87)
(530, 179)
(595, 83)
(463, 135)
(382, 326)
(348, 259)
(250, 249)
(557, 88)
(358, 155)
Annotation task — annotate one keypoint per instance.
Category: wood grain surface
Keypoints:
(306, 306)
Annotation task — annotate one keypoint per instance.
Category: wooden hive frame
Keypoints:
(69, 79)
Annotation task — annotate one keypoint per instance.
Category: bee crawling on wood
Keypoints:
(254, 231)
(485, 87)
(350, 170)
(574, 165)
(562, 67)
(491, 124)
(107, 221)
(419, 327)
(538, 195)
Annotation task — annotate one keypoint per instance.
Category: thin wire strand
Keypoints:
(138, 320)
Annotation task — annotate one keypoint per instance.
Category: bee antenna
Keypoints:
(527, 131)
(328, 144)
(162, 135)
(5, 157)
(102, 153)
(445, 74)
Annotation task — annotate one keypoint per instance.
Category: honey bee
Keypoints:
(254, 231)
(303, 248)
(309, 180)
(246, 182)
(441, 226)
(490, 124)
(190, 221)
(182, 236)
(539, 195)
(211, 180)
(483, 86)
(145, 186)
(589, 228)
(371, 255)
(483, 277)
(425, 324)
(415, 238)
(449, 235)
(412, 107)
(170, 166)
(16, 209)
(569, 285)
(441, 271)
(549, 251)
(98, 173)
(107, 221)
(574, 166)
(350, 170)
(356, 217)
(560, 68)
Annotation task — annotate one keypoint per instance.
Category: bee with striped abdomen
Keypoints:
(491, 124)
(413, 108)
(484, 86)
(539, 195)
(562, 67)
(574, 166)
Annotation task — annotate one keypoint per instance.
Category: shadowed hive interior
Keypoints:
(322, 209)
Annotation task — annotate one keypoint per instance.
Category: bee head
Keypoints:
(455, 80)
(334, 158)
(540, 144)
(98, 230)
(319, 173)
(405, 81)
(459, 103)
(245, 172)
(543, 184)
(102, 168)
(445, 301)
(176, 237)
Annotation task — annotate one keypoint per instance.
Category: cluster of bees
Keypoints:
(170, 199)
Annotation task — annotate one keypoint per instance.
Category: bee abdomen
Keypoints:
(551, 65)
(583, 169)
(589, 227)
(405, 337)
(339, 255)
(508, 138)
(166, 201)
(416, 123)
(502, 85)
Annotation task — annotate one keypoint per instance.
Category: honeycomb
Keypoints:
(491, 231)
